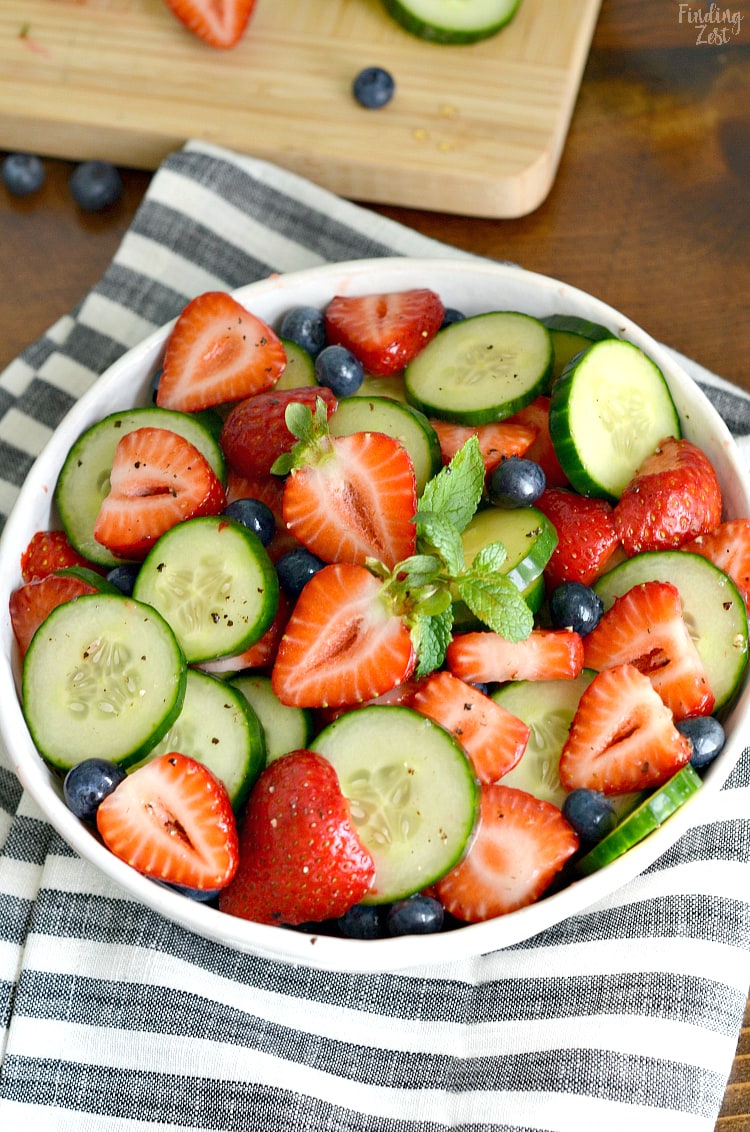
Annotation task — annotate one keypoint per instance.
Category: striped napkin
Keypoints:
(115, 1020)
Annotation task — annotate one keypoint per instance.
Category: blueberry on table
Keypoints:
(573, 605)
(94, 185)
(88, 783)
(516, 482)
(590, 813)
(22, 174)
(254, 514)
(373, 87)
(306, 326)
(295, 569)
(417, 915)
(339, 370)
(706, 737)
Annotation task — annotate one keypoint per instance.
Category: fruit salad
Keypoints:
(383, 619)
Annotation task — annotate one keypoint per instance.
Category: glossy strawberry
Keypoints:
(673, 497)
(384, 331)
(728, 547)
(541, 450)
(520, 846)
(645, 628)
(219, 23)
(255, 433)
(158, 479)
(497, 440)
(349, 498)
(623, 737)
(586, 536)
(172, 819)
(217, 352)
(493, 738)
(48, 551)
(32, 602)
(301, 858)
(546, 654)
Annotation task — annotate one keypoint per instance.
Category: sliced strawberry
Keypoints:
(497, 441)
(172, 819)
(32, 602)
(301, 858)
(402, 695)
(546, 654)
(623, 737)
(586, 536)
(350, 498)
(385, 331)
(255, 434)
(520, 845)
(728, 547)
(342, 643)
(645, 628)
(158, 479)
(219, 23)
(493, 738)
(48, 551)
(217, 352)
(263, 653)
(542, 450)
(673, 497)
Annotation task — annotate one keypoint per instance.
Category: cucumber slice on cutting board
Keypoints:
(711, 606)
(452, 21)
(608, 412)
(412, 791)
(285, 728)
(217, 727)
(213, 582)
(401, 422)
(481, 369)
(103, 675)
(84, 477)
(646, 818)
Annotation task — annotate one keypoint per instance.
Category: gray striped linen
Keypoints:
(115, 1020)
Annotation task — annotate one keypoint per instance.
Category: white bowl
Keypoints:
(472, 287)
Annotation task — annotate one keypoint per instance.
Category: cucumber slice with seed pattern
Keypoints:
(412, 793)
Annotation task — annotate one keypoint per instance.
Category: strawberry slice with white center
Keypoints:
(158, 479)
(219, 23)
(33, 602)
(498, 440)
(348, 498)
(623, 737)
(728, 547)
(520, 845)
(172, 819)
(493, 738)
(343, 642)
(218, 352)
(385, 330)
(546, 654)
(645, 628)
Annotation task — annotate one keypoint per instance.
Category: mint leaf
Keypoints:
(497, 602)
(489, 559)
(419, 570)
(430, 637)
(434, 532)
(454, 493)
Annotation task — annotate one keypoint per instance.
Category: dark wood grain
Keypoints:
(650, 211)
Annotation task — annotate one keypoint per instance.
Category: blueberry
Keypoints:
(590, 813)
(123, 577)
(88, 783)
(337, 367)
(295, 569)
(450, 316)
(516, 482)
(306, 326)
(94, 185)
(362, 921)
(254, 514)
(373, 87)
(417, 915)
(706, 737)
(22, 174)
(572, 605)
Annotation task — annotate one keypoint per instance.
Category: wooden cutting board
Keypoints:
(474, 130)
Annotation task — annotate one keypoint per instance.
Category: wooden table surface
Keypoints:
(650, 211)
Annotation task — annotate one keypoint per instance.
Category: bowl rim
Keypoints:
(271, 942)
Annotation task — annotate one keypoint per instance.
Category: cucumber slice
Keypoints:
(299, 370)
(570, 336)
(391, 386)
(711, 605)
(84, 477)
(217, 727)
(481, 369)
(452, 21)
(608, 412)
(406, 425)
(213, 582)
(412, 791)
(103, 675)
(646, 818)
(285, 728)
(528, 536)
